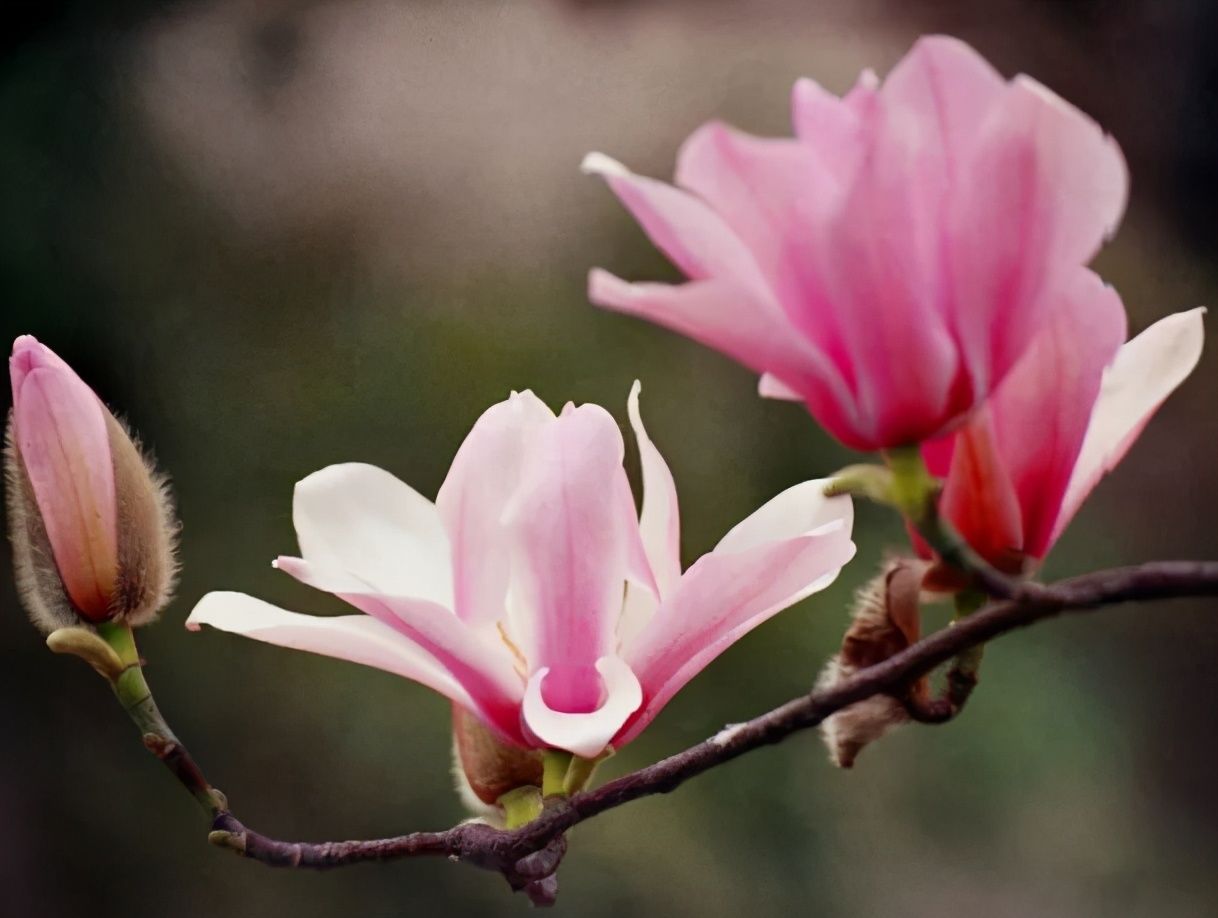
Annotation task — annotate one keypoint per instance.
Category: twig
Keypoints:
(528, 856)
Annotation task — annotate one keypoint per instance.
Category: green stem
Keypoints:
(132, 691)
(521, 806)
(969, 662)
(915, 493)
(580, 773)
(555, 763)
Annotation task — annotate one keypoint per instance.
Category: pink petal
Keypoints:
(831, 127)
(690, 233)
(1041, 410)
(881, 266)
(949, 88)
(760, 568)
(481, 481)
(585, 734)
(361, 519)
(571, 544)
(356, 638)
(723, 317)
(778, 198)
(1042, 188)
(1145, 372)
(979, 498)
(477, 659)
(61, 435)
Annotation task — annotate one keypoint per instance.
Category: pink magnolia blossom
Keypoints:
(60, 435)
(890, 263)
(1018, 472)
(530, 592)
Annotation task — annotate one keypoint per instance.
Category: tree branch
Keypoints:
(528, 856)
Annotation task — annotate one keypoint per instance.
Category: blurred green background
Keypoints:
(278, 235)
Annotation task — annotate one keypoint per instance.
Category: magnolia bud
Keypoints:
(885, 620)
(90, 521)
(485, 767)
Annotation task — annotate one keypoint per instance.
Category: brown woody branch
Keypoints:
(528, 856)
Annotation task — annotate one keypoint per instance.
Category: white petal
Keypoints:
(588, 734)
(1146, 370)
(356, 638)
(361, 519)
(800, 509)
(770, 386)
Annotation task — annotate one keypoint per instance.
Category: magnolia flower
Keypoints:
(1066, 415)
(890, 263)
(90, 522)
(530, 593)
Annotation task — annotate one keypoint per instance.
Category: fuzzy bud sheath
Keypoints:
(90, 521)
(485, 768)
(885, 621)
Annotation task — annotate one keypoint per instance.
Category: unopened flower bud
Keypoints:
(485, 767)
(90, 521)
(885, 620)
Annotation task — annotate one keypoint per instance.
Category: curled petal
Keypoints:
(584, 734)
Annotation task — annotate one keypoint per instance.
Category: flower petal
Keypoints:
(721, 598)
(586, 734)
(1145, 372)
(690, 233)
(1040, 412)
(659, 528)
(722, 316)
(832, 127)
(800, 509)
(949, 88)
(1042, 189)
(483, 477)
(356, 638)
(570, 548)
(979, 498)
(360, 518)
(659, 519)
(477, 659)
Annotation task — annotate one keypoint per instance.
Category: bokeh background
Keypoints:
(278, 235)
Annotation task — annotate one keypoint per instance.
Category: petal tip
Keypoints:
(599, 164)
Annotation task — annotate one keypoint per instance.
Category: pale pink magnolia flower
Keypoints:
(1018, 472)
(89, 520)
(530, 592)
(889, 264)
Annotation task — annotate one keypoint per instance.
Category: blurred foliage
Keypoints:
(250, 353)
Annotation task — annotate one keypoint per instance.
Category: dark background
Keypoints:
(278, 235)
